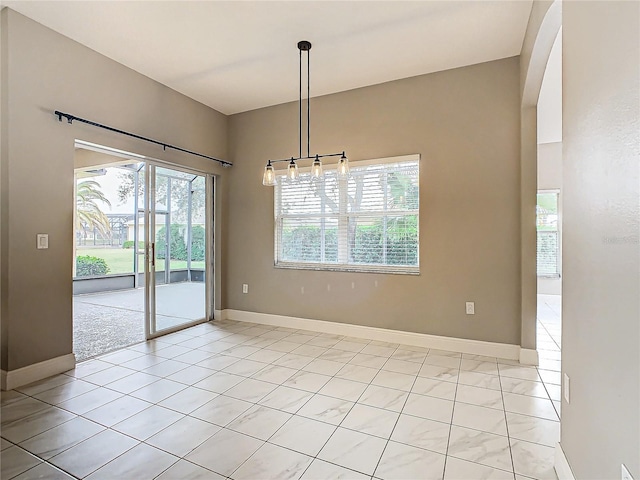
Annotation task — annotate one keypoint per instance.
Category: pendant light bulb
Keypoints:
(343, 166)
(292, 171)
(316, 169)
(269, 176)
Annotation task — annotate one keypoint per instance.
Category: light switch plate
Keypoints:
(565, 386)
(470, 308)
(43, 241)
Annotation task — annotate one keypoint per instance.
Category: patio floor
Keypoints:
(103, 322)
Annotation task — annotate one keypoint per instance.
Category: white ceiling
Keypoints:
(241, 55)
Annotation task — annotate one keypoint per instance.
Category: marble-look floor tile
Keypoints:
(324, 367)
(303, 435)
(142, 461)
(357, 373)
(481, 380)
(480, 447)
(11, 396)
(265, 356)
(354, 347)
(483, 397)
(353, 450)
(321, 470)
(225, 451)
(337, 355)
(132, 382)
(166, 368)
(422, 433)
(259, 422)
(344, 389)
(21, 408)
(283, 346)
(402, 366)
(548, 376)
(44, 385)
(218, 362)
(443, 361)
(43, 470)
(311, 382)
(191, 375)
(158, 391)
(65, 392)
(479, 366)
(117, 411)
(370, 361)
(398, 381)
(62, 437)
(275, 374)
(409, 356)
(108, 375)
(87, 368)
(90, 400)
(439, 372)
(219, 382)
(5, 444)
(457, 469)
(382, 397)
(434, 388)
(310, 350)
(533, 460)
(518, 371)
(429, 407)
(183, 436)
(523, 387)
(272, 461)
(405, 461)
(193, 356)
(251, 390)
(378, 350)
(370, 420)
(14, 461)
(326, 409)
(533, 429)
(188, 400)
(534, 406)
(184, 470)
(286, 399)
(26, 427)
(245, 367)
(222, 410)
(480, 418)
(148, 422)
(91, 454)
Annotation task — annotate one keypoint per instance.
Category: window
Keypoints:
(548, 234)
(367, 222)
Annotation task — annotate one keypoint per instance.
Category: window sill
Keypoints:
(350, 268)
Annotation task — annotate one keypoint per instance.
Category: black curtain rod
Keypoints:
(70, 118)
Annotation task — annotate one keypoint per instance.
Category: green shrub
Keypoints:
(88, 266)
(129, 244)
(197, 243)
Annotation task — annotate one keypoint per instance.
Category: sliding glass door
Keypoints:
(178, 219)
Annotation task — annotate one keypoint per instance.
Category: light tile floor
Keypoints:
(246, 401)
(549, 345)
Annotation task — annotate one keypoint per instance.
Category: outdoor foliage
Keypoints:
(130, 243)
(89, 215)
(303, 244)
(88, 266)
(178, 242)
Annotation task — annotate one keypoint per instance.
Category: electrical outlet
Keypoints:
(471, 308)
(245, 288)
(565, 387)
(625, 473)
(42, 241)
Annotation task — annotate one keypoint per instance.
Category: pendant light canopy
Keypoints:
(269, 177)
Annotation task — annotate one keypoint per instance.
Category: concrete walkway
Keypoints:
(103, 322)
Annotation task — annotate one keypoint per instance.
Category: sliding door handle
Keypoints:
(153, 255)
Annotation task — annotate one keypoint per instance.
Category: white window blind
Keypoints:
(366, 222)
(548, 242)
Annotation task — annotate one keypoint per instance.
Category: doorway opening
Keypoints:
(142, 245)
(549, 225)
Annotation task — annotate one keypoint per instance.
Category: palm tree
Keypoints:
(88, 212)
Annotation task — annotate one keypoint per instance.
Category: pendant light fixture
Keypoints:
(317, 173)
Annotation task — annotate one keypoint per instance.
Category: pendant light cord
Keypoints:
(300, 109)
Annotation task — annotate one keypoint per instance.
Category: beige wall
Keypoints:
(45, 71)
(601, 288)
(550, 178)
(465, 124)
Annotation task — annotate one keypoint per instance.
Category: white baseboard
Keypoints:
(561, 465)
(38, 371)
(528, 356)
(474, 347)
